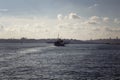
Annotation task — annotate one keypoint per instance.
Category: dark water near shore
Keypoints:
(33, 61)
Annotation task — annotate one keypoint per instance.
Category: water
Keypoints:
(36, 61)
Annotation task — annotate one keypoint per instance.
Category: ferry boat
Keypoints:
(59, 42)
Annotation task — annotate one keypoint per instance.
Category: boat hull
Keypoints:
(56, 44)
(59, 42)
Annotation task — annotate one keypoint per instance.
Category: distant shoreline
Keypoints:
(67, 41)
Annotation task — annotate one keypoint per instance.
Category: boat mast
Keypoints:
(58, 36)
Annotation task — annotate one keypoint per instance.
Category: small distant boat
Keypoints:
(59, 42)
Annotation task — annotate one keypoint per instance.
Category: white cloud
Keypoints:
(117, 21)
(106, 19)
(68, 27)
(73, 16)
(16, 27)
(90, 22)
(60, 17)
(93, 6)
(93, 27)
(95, 18)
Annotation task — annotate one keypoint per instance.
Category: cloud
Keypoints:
(73, 16)
(91, 27)
(93, 6)
(106, 19)
(90, 22)
(60, 17)
(70, 16)
(116, 21)
(16, 27)
(117, 29)
(95, 18)
(42, 27)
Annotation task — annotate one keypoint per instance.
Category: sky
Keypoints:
(76, 19)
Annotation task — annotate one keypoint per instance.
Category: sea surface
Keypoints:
(42, 61)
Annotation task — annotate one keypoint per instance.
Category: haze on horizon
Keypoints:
(78, 19)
